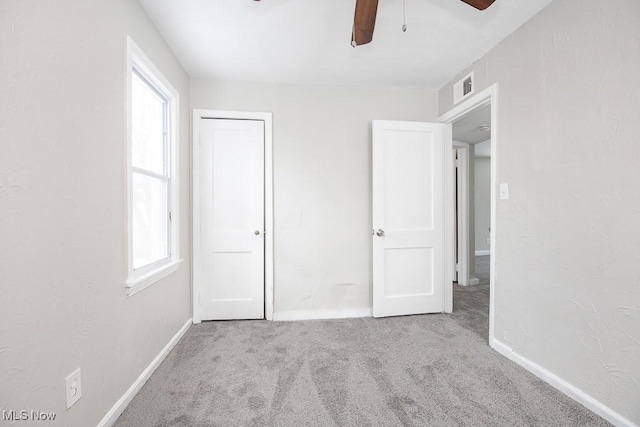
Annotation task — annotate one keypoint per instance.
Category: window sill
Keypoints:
(139, 283)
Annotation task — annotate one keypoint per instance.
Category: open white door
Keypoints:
(232, 222)
(408, 217)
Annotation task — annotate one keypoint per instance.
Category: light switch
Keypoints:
(504, 191)
(74, 388)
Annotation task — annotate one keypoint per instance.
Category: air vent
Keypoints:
(463, 88)
(467, 86)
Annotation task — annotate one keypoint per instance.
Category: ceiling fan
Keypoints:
(364, 20)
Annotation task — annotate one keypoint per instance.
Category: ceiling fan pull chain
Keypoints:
(404, 16)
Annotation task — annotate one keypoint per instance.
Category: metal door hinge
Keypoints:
(457, 266)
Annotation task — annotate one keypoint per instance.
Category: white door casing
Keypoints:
(461, 215)
(488, 96)
(232, 221)
(455, 218)
(408, 217)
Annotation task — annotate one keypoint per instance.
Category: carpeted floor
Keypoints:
(471, 303)
(482, 269)
(431, 370)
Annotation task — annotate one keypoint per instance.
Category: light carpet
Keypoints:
(471, 303)
(430, 370)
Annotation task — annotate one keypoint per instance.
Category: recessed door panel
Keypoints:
(408, 185)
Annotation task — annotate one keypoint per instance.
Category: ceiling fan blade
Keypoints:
(364, 22)
(479, 4)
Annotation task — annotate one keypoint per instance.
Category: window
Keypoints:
(151, 172)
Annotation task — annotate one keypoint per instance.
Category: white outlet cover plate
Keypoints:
(73, 387)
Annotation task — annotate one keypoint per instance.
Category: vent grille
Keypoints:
(467, 86)
(463, 88)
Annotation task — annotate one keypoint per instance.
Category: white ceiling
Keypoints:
(468, 129)
(308, 42)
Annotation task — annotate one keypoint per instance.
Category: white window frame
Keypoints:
(139, 279)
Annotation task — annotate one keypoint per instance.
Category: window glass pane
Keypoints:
(150, 220)
(147, 127)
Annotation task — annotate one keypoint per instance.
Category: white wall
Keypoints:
(62, 204)
(567, 249)
(322, 182)
(482, 199)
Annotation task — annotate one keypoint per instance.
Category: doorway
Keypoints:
(466, 117)
(472, 136)
(233, 220)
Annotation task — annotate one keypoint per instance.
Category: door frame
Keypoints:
(488, 96)
(455, 206)
(267, 118)
(462, 218)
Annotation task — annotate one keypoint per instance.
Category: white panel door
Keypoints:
(408, 218)
(232, 219)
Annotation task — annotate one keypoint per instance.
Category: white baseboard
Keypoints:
(322, 314)
(472, 282)
(563, 386)
(483, 253)
(126, 398)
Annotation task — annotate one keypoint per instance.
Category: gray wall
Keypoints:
(62, 204)
(322, 182)
(568, 242)
(482, 201)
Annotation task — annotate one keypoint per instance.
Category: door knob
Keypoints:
(380, 232)
(257, 232)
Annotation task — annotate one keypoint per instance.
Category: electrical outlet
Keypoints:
(74, 388)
